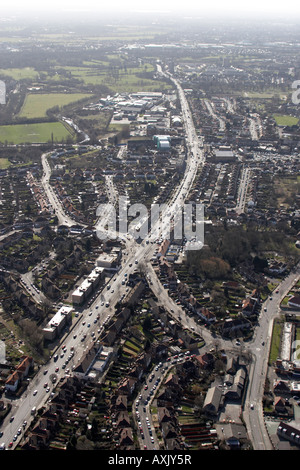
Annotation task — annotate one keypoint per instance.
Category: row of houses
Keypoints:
(234, 386)
(19, 374)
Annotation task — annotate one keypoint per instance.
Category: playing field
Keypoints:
(34, 133)
(36, 104)
(285, 120)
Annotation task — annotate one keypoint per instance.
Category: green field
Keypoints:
(4, 163)
(36, 104)
(118, 81)
(285, 120)
(20, 74)
(34, 133)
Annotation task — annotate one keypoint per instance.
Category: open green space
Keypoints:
(276, 341)
(4, 163)
(118, 78)
(37, 104)
(19, 73)
(285, 120)
(34, 133)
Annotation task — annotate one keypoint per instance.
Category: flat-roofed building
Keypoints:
(108, 261)
(89, 284)
(57, 323)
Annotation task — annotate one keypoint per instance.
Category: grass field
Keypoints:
(36, 104)
(119, 82)
(4, 163)
(34, 133)
(20, 74)
(285, 120)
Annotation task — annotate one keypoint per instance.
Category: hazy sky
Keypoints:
(251, 6)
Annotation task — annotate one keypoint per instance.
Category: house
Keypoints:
(122, 420)
(127, 386)
(279, 405)
(235, 385)
(205, 360)
(168, 431)
(235, 325)
(281, 387)
(19, 374)
(294, 302)
(126, 438)
(212, 401)
(290, 432)
(233, 433)
(206, 315)
(121, 403)
(232, 365)
(164, 415)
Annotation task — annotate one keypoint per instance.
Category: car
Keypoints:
(252, 406)
(47, 389)
(24, 424)
(35, 392)
(45, 372)
(45, 385)
(10, 444)
(19, 431)
(57, 369)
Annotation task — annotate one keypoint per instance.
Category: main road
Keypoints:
(259, 348)
(91, 319)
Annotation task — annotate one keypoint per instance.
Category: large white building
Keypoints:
(57, 323)
(109, 261)
(87, 286)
